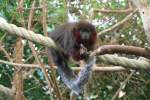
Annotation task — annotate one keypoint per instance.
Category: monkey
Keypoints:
(70, 38)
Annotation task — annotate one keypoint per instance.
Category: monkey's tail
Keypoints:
(75, 83)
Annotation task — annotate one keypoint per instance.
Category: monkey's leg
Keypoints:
(75, 83)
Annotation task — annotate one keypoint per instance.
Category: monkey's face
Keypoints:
(86, 30)
(84, 34)
(87, 34)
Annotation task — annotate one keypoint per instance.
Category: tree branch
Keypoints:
(111, 49)
(113, 11)
(117, 24)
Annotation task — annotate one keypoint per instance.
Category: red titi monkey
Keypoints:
(69, 37)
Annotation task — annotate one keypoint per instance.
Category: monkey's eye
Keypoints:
(84, 34)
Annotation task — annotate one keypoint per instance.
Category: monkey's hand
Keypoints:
(84, 53)
(84, 56)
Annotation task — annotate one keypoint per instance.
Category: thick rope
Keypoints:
(27, 34)
(125, 62)
(19, 31)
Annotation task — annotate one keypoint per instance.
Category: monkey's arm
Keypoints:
(63, 37)
(75, 83)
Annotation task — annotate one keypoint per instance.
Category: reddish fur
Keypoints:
(76, 54)
(92, 39)
(77, 37)
(90, 42)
